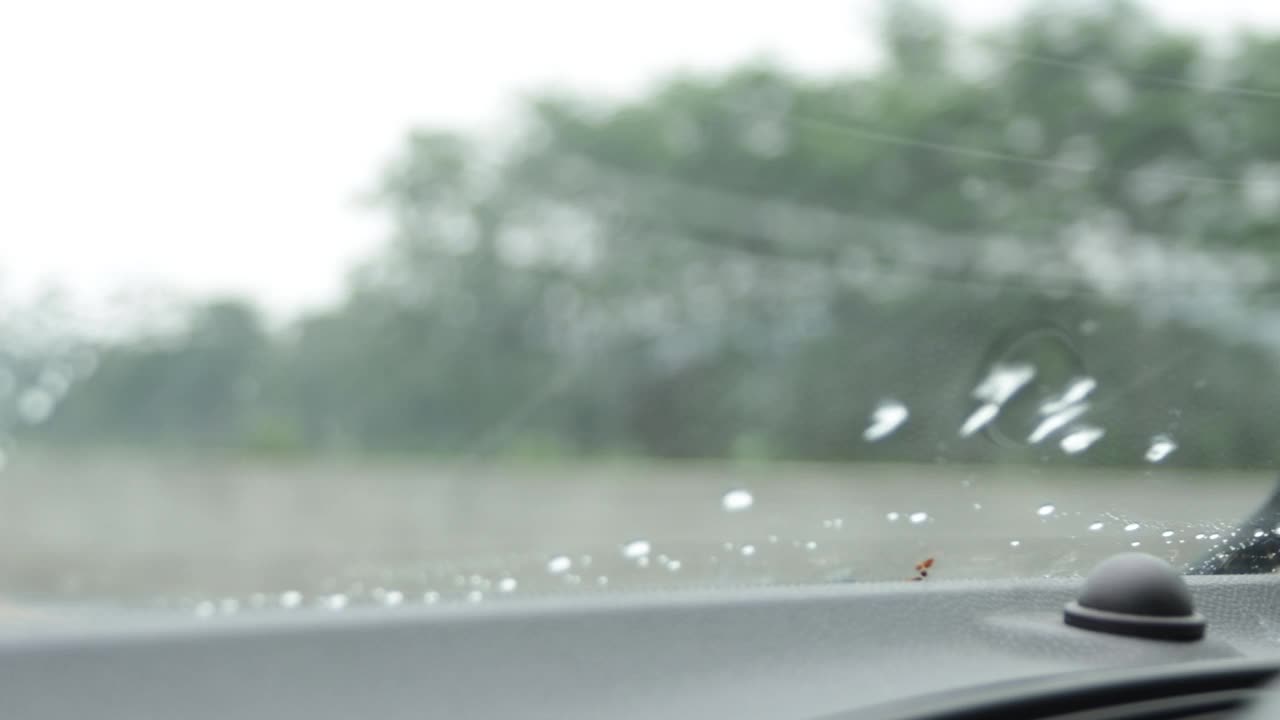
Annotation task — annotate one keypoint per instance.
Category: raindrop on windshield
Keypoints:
(290, 599)
(635, 549)
(979, 419)
(1015, 543)
(892, 516)
(1161, 446)
(1003, 382)
(1045, 510)
(392, 598)
(1081, 439)
(1131, 527)
(35, 406)
(918, 517)
(1077, 391)
(674, 565)
(811, 545)
(1167, 533)
(559, 564)
(507, 585)
(736, 500)
(1054, 422)
(1095, 527)
(748, 550)
(887, 417)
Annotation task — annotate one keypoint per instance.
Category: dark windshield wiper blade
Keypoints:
(1254, 549)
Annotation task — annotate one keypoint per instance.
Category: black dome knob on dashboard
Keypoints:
(1136, 594)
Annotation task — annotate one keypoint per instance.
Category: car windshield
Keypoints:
(315, 306)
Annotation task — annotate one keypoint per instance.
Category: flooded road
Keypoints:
(215, 534)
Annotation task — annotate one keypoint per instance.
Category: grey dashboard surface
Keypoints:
(792, 652)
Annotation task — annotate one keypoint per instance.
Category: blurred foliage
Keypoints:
(746, 265)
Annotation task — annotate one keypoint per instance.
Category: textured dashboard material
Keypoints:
(766, 653)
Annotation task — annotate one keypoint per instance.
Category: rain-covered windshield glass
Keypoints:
(313, 306)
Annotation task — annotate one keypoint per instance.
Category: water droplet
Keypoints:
(559, 564)
(430, 597)
(1003, 382)
(507, 585)
(1078, 390)
(35, 406)
(737, 500)
(1201, 536)
(918, 517)
(636, 549)
(475, 596)
(1045, 510)
(1215, 536)
(811, 545)
(675, 565)
(977, 506)
(1259, 533)
(833, 524)
(1161, 447)
(892, 516)
(337, 601)
(1131, 527)
(290, 599)
(1015, 543)
(56, 380)
(1167, 533)
(773, 539)
(979, 419)
(1054, 422)
(392, 598)
(1135, 543)
(885, 419)
(748, 550)
(1079, 440)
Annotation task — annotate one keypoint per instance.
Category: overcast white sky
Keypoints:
(218, 146)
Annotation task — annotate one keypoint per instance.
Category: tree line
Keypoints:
(754, 264)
